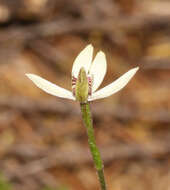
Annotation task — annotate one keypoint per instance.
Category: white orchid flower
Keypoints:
(87, 75)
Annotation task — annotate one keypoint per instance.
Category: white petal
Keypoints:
(84, 59)
(50, 88)
(114, 86)
(98, 70)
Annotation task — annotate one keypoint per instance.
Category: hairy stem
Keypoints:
(87, 118)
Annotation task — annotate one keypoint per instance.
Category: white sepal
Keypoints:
(84, 60)
(98, 70)
(50, 88)
(114, 86)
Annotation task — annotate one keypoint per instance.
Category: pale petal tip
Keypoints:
(32, 76)
(101, 53)
(29, 75)
(131, 73)
(135, 69)
(90, 47)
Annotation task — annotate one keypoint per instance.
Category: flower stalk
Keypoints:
(88, 122)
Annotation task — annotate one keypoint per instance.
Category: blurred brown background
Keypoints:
(43, 143)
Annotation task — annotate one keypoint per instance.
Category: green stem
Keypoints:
(87, 118)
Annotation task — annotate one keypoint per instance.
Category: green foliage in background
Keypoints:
(4, 185)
